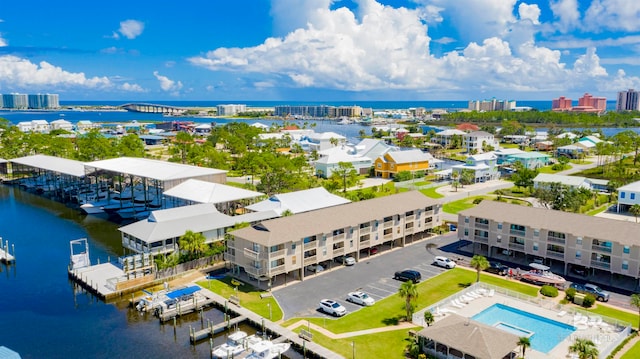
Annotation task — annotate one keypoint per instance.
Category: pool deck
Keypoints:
(604, 335)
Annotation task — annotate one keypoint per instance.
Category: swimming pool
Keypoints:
(544, 333)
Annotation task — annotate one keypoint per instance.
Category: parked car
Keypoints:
(373, 250)
(316, 268)
(360, 297)
(408, 274)
(497, 268)
(599, 293)
(444, 262)
(579, 270)
(332, 307)
(346, 260)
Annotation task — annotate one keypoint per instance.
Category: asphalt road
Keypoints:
(373, 275)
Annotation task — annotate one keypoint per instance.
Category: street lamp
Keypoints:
(353, 343)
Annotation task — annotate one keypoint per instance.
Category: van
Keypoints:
(408, 274)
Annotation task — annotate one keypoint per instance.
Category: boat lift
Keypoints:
(80, 259)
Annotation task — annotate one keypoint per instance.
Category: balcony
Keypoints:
(557, 255)
(229, 257)
(338, 237)
(517, 232)
(516, 246)
(553, 239)
(410, 218)
(338, 251)
(251, 254)
(364, 244)
(481, 225)
(256, 272)
(310, 245)
(388, 236)
(481, 239)
(600, 264)
(276, 254)
(428, 213)
(388, 224)
(365, 230)
(605, 249)
(310, 260)
(277, 270)
(408, 230)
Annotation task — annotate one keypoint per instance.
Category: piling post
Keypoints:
(211, 347)
(13, 250)
(174, 326)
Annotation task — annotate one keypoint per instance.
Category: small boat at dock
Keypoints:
(236, 343)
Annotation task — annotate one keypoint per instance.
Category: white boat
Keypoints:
(266, 349)
(540, 274)
(236, 343)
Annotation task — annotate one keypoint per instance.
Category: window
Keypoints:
(379, 165)
(535, 246)
(293, 246)
(579, 241)
(364, 237)
(578, 254)
(499, 239)
(500, 225)
(466, 219)
(536, 232)
(625, 265)
(626, 250)
(632, 196)
(466, 232)
(256, 247)
(621, 194)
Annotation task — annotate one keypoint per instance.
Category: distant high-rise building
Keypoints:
(230, 110)
(588, 103)
(561, 104)
(302, 110)
(492, 105)
(15, 101)
(43, 101)
(628, 100)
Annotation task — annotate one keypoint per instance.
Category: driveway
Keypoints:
(374, 275)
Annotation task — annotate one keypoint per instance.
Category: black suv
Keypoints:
(408, 274)
(497, 268)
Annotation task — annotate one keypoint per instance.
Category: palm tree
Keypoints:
(479, 263)
(584, 348)
(525, 343)
(428, 318)
(635, 210)
(454, 182)
(635, 302)
(409, 291)
(193, 243)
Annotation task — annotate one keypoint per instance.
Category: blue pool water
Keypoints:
(544, 333)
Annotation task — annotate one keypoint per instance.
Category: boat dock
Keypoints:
(212, 330)
(5, 256)
(311, 349)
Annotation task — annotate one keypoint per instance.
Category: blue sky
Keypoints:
(319, 50)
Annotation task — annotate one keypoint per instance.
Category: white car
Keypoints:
(361, 298)
(332, 307)
(316, 268)
(349, 261)
(444, 262)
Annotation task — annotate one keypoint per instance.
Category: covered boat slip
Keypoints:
(226, 198)
(48, 173)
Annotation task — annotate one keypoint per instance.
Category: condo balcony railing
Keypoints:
(276, 254)
(556, 239)
(517, 246)
(596, 247)
(277, 270)
(410, 218)
(482, 239)
(388, 224)
(338, 251)
(364, 244)
(338, 237)
(258, 272)
(558, 255)
(481, 225)
(310, 260)
(517, 232)
(251, 254)
(600, 264)
(311, 244)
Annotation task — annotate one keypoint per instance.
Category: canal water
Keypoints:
(43, 315)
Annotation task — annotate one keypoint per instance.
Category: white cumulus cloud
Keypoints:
(613, 14)
(167, 84)
(22, 73)
(567, 13)
(131, 28)
(529, 12)
(131, 87)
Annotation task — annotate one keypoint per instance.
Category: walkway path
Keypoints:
(626, 347)
(332, 335)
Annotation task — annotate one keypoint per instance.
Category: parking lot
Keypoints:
(374, 275)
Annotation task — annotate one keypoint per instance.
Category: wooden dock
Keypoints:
(183, 308)
(5, 256)
(212, 330)
(282, 334)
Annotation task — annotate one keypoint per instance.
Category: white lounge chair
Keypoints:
(474, 295)
(447, 310)
(456, 304)
(594, 321)
(492, 292)
(466, 299)
(562, 313)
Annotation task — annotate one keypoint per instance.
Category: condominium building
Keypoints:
(310, 111)
(628, 100)
(561, 104)
(492, 105)
(589, 103)
(287, 245)
(15, 101)
(607, 247)
(230, 110)
(43, 101)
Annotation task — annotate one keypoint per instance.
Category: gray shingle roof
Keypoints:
(326, 220)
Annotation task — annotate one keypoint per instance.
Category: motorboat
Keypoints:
(540, 274)
(236, 343)
(266, 349)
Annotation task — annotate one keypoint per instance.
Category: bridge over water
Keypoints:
(154, 108)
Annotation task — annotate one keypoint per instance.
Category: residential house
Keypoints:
(503, 153)
(608, 247)
(285, 246)
(444, 138)
(571, 151)
(61, 125)
(530, 160)
(331, 158)
(479, 141)
(484, 167)
(628, 195)
(86, 125)
(544, 180)
(323, 141)
(41, 126)
(391, 163)
(543, 146)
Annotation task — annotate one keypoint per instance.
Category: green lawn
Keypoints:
(460, 205)
(616, 314)
(249, 297)
(598, 210)
(549, 170)
(632, 353)
(431, 192)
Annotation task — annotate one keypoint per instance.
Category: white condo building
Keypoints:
(628, 100)
(230, 110)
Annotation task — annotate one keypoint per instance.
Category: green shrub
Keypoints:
(588, 301)
(570, 294)
(515, 201)
(549, 291)
(477, 200)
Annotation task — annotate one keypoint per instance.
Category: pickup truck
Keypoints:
(592, 289)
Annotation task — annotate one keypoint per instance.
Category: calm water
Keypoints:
(42, 316)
